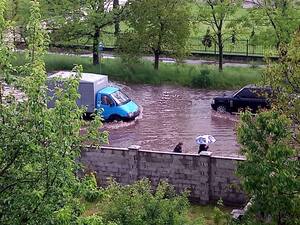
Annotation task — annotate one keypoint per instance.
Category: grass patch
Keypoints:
(196, 76)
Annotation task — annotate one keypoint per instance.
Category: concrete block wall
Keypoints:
(224, 183)
(181, 170)
(107, 162)
(207, 177)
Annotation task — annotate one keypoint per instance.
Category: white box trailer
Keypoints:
(89, 85)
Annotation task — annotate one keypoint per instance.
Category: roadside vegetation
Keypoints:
(40, 147)
(196, 76)
(196, 214)
(172, 28)
(39, 183)
(116, 204)
(270, 142)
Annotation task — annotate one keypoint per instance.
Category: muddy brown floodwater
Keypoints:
(173, 114)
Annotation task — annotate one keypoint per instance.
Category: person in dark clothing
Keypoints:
(202, 147)
(178, 148)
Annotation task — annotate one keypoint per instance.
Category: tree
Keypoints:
(280, 17)
(76, 19)
(214, 13)
(271, 143)
(270, 174)
(39, 147)
(116, 5)
(284, 78)
(156, 26)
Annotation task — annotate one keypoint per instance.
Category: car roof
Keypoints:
(253, 86)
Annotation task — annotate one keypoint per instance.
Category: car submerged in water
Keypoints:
(249, 97)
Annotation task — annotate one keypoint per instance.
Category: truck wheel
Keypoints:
(113, 118)
(221, 109)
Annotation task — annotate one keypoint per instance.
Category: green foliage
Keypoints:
(87, 20)
(271, 172)
(284, 78)
(271, 144)
(213, 14)
(137, 204)
(40, 147)
(276, 20)
(17, 11)
(202, 80)
(156, 26)
(5, 47)
(90, 191)
(93, 220)
(143, 73)
(220, 217)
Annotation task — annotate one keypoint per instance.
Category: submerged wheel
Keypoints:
(113, 118)
(221, 109)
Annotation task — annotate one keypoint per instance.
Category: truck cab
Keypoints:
(96, 95)
(116, 105)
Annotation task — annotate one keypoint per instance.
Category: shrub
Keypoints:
(90, 191)
(202, 80)
(137, 204)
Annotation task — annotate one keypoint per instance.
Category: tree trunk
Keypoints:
(156, 60)
(117, 22)
(220, 45)
(96, 46)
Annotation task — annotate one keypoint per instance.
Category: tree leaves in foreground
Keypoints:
(271, 174)
(39, 146)
(284, 78)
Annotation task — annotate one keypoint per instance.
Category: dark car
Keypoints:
(249, 97)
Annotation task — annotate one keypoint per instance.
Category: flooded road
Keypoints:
(173, 114)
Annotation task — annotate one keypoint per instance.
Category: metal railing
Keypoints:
(240, 47)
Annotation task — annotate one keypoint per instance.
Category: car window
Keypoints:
(105, 100)
(246, 93)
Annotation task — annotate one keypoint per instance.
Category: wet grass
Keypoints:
(196, 76)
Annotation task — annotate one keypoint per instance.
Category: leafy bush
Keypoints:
(92, 220)
(90, 191)
(219, 217)
(138, 204)
(201, 80)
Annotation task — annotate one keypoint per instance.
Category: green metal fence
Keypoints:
(240, 47)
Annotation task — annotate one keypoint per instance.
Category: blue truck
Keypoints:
(96, 94)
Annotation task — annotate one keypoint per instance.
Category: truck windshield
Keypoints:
(120, 98)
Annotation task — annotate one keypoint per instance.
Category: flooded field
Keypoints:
(171, 115)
